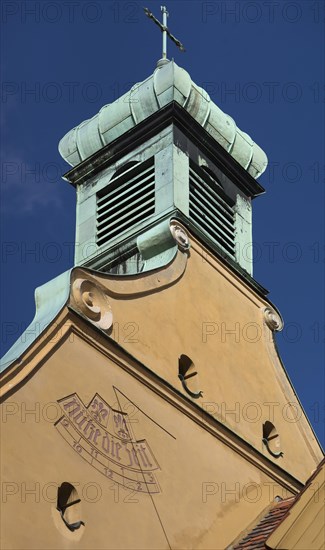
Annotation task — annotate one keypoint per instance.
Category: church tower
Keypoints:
(164, 416)
(175, 154)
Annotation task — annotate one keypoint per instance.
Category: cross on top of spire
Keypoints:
(165, 31)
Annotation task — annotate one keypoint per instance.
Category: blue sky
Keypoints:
(261, 62)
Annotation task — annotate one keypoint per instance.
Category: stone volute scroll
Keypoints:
(91, 301)
(180, 235)
(273, 319)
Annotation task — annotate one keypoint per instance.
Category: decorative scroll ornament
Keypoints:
(93, 303)
(180, 235)
(273, 319)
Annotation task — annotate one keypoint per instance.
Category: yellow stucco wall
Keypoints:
(213, 317)
(207, 491)
(213, 478)
(304, 525)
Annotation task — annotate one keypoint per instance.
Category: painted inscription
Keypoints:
(102, 437)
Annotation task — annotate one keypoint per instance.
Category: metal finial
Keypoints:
(165, 31)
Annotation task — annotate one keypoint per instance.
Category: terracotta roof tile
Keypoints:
(255, 539)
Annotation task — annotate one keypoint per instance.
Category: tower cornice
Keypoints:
(172, 114)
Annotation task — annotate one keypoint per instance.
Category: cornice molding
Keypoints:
(173, 113)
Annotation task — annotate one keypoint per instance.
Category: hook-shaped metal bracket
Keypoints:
(266, 443)
(182, 378)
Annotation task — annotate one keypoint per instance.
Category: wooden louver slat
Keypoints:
(125, 202)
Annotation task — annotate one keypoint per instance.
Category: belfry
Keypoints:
(165, 418)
